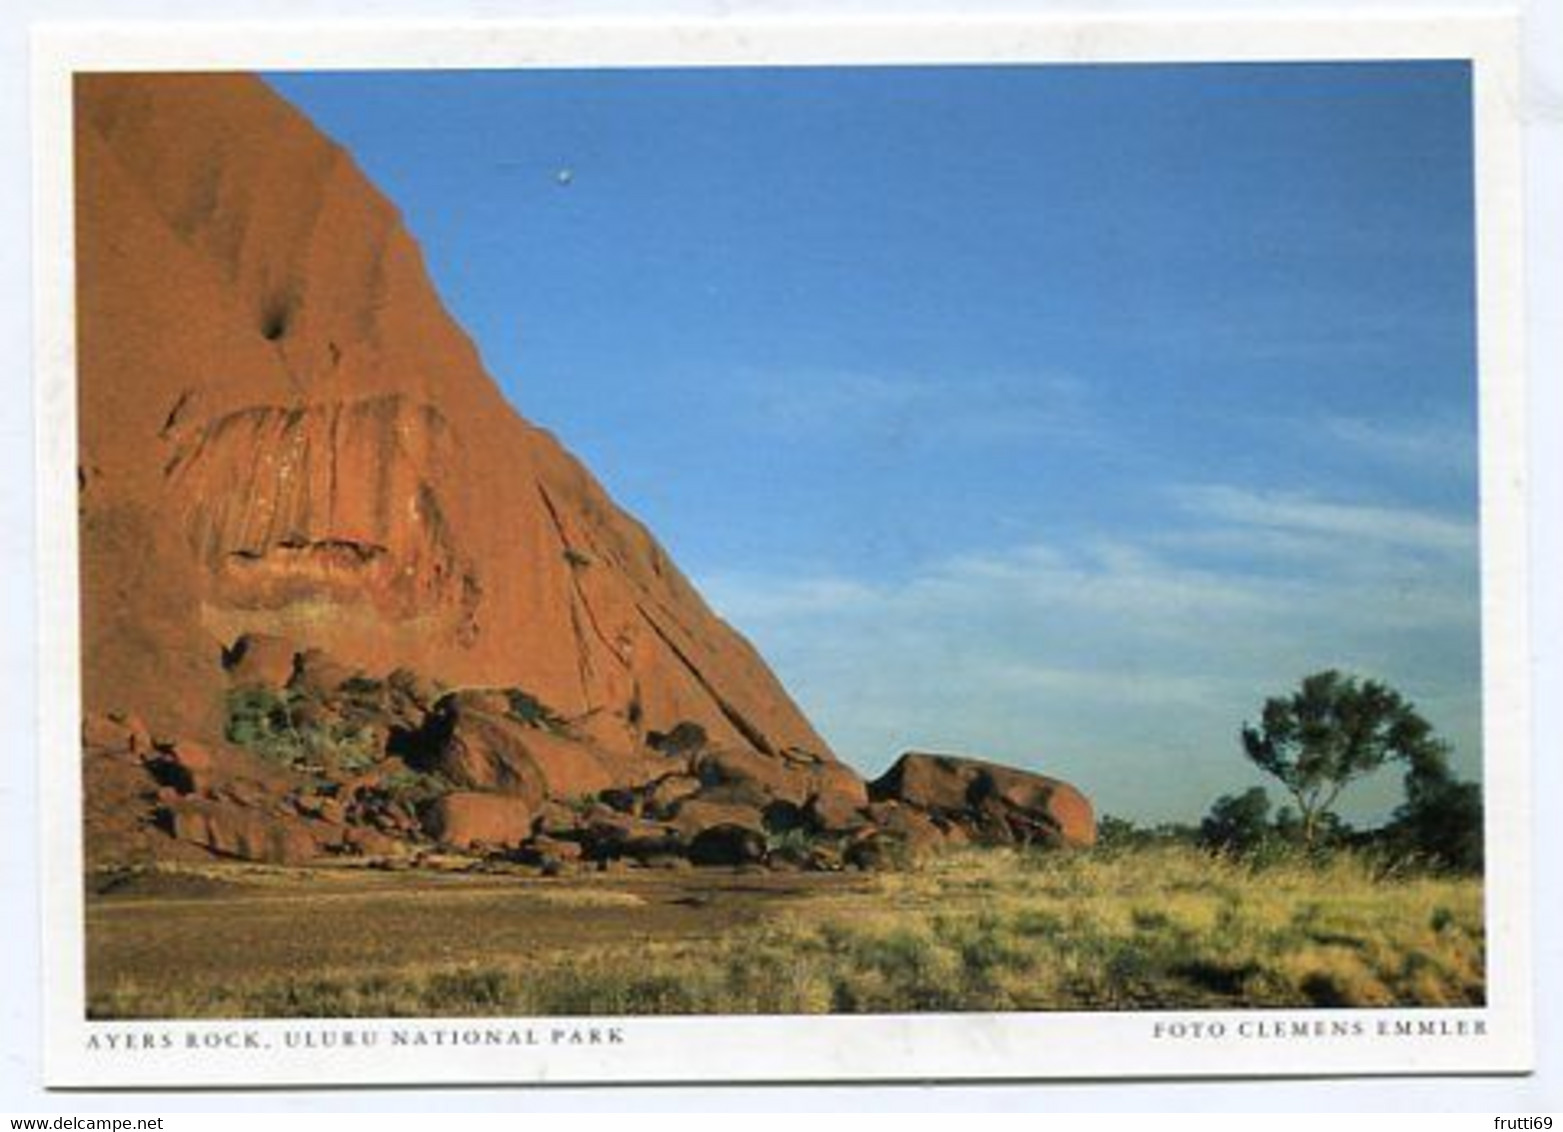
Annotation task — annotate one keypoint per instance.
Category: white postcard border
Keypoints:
(1496, 1038)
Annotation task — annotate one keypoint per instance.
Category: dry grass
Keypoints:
(1145, 929)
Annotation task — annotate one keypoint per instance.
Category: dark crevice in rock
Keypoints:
(294, 544)
(171, 421)
(577, 589)
(749, 731)
(274, 319)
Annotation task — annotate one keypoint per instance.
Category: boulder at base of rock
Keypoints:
(414, 687)
(664, 795)
(694, 816)
(993, 802)
(831, 813)
(195, 768)
(187, 767)
(484, 749)
(114, 732)
(232, 773)
(550, 848)
(570, 769)
(260, 659)
(119, 803)
(913, 828)
(728, 845)
(876, 852)
(555, 819)
(238, 831)
(467, 820)
(790, 777)
(360, 842)
(477, 741)
(317, 673)
(610, 835)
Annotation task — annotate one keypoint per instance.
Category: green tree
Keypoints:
(1113, 832)
(1329, 733)
(1441, 818)
(1239, 822)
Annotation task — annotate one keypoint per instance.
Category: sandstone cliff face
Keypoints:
(282, 432)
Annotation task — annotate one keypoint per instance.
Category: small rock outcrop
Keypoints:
(244, 832)
(992, 803)
(468, 820)
(488, 740)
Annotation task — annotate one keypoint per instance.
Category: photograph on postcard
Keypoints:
(780, 541)
(1110, 423)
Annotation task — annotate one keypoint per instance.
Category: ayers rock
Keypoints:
(296, 476)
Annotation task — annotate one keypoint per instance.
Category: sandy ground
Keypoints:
(207, 926)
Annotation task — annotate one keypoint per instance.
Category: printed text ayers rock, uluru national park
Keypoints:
(338, 598)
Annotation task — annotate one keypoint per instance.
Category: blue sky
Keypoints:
(1053, 415)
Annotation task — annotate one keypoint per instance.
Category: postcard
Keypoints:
(601, 551)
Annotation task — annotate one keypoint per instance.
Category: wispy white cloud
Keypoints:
(897, 408)
(761, 598)
(1115, 687)
(1443, 446)
(1305, 514)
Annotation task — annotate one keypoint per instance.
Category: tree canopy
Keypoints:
(1334, 730)
(1238, 822)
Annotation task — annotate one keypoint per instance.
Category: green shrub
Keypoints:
(1239, 823)
(531, 711)
(1440, 823)
(685, 738)
(798, 843)
(260, 720)
(415, 788)
(270, 723)
(362, 687)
